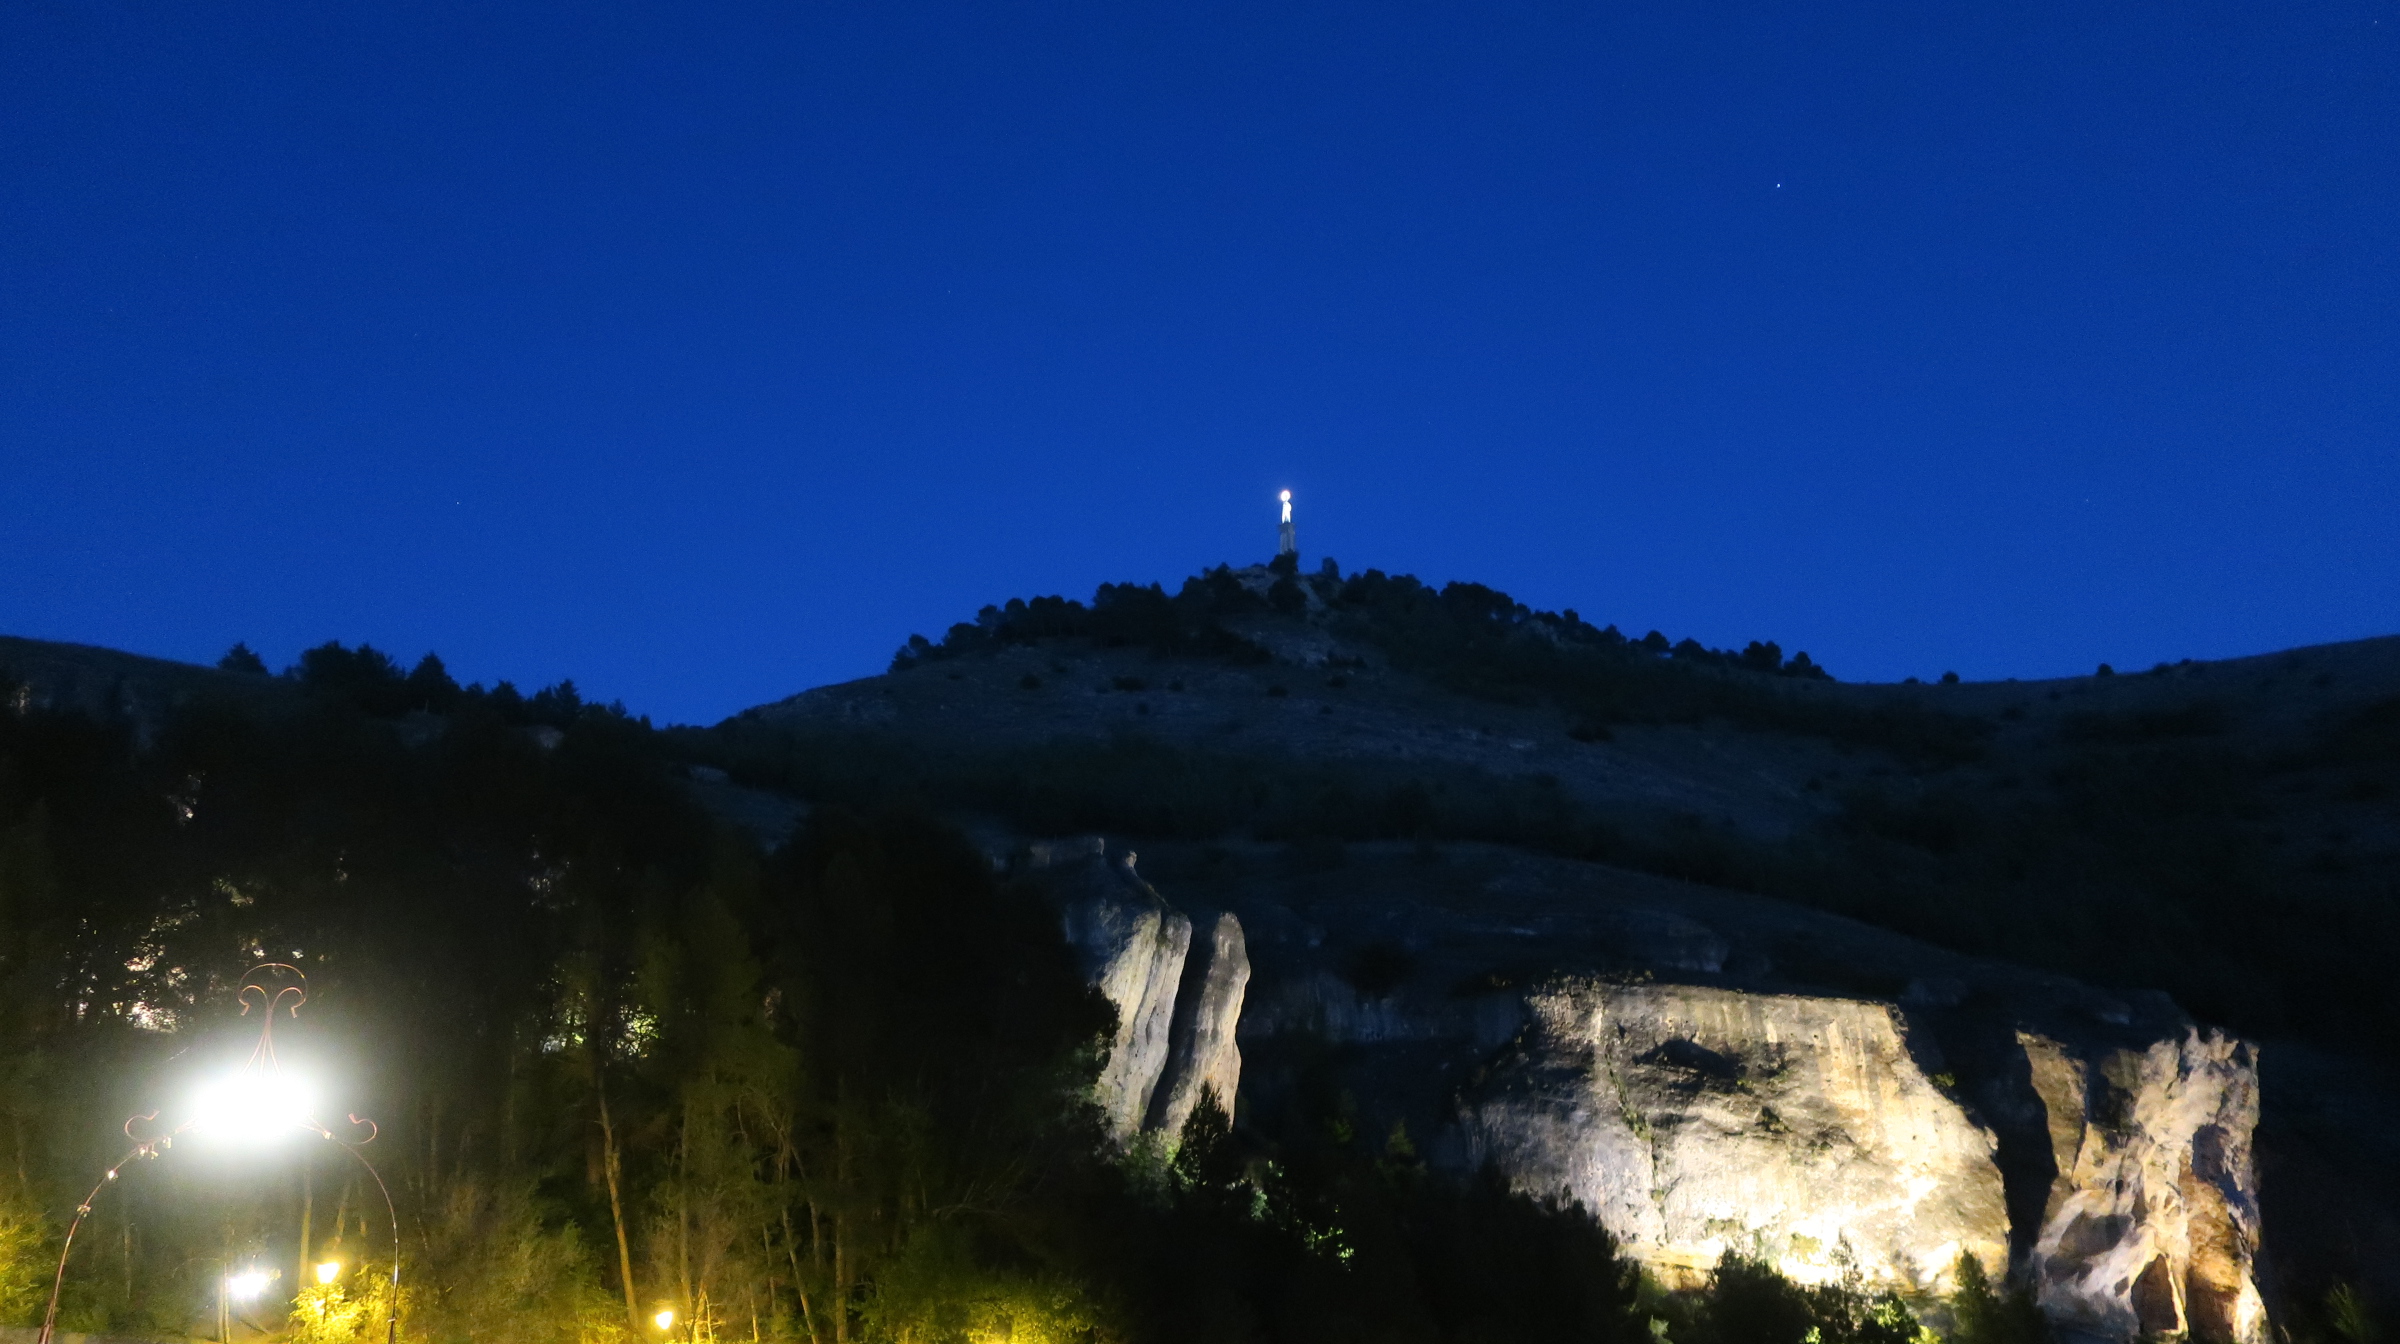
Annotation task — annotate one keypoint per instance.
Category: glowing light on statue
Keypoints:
(1287, 541)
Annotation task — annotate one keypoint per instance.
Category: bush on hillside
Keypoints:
(1477, 641)
(1121, 615)
(1747, 1302)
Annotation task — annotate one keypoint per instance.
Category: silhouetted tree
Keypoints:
(240, 658)
(430, 687)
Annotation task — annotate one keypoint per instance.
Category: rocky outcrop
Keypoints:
(1139, 951)
(1132, 946)
(1693, 1121)
(1202, 1055)
(2152, 1224)
(1804, 1131)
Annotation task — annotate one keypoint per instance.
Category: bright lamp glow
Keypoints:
(664, 1320)
(251, 1109)
(247, 1284)
(329, 1271)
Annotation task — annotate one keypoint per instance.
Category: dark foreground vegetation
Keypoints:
(625, 1062)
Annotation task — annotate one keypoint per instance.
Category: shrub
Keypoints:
(1985, 1316)
(1747, 1302)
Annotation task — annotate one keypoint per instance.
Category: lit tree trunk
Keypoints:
(308, 1207)
(841, 1216)
(616, 1205)
(683, 1214)
(841, 1280)
(791, 1251)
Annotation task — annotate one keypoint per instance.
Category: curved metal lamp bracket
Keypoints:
(269, 993)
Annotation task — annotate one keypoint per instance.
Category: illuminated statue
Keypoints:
(1287, 542)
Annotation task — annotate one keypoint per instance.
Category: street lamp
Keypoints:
(256, 1106)
(231, 1288)
(247, 1285)
(250, 1110)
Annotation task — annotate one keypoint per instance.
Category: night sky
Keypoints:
(701, 352)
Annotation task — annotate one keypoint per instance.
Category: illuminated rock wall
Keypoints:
(2152, 1223)
(1694, 1121)
(1202, 1053)
(1177, 1005)
(1728, 1074)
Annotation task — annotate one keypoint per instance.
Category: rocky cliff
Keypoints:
(2151, 1226)
(1203, 1053)
(1177, 1004)
(1693, 1121)
(1703, 1071)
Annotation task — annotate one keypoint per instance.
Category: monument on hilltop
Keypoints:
(1287, 541)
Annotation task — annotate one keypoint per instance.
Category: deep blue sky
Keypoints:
(703, 352)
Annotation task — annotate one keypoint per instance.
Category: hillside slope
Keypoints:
(2128, 828)
(2227, 832)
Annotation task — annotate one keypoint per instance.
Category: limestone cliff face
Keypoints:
(2152, 1226)
(1803, 1130)
(1692, 1121)
(1177, 1006)
(1701, 1071)
(1203, 1055)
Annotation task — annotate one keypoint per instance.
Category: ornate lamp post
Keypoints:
(254, 1106)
